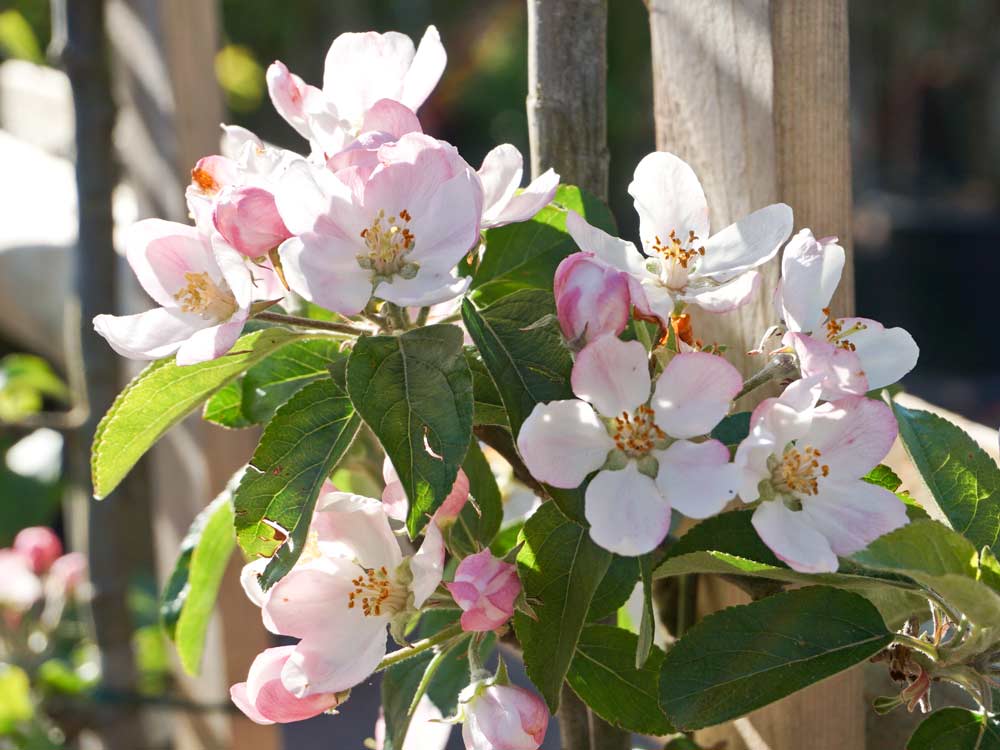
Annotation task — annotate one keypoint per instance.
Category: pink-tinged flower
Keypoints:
(592, 298)
(204, 293)
(40, 547)
(247, 218)
(347, 587)
(397, 505)
(385, 123)
(396, 234)
(427, 730)
(850, 356)
(640, 444)
(804, 462)
(485, 588)
(266, 701)
(69, 573)
(360, 70)
(500, 175)
(502, 717)
(20, 588)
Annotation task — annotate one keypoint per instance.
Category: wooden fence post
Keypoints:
(754, 94)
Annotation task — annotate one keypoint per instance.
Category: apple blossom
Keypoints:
(348, 585)
(427, 730)
(500, 175)
(396, 233)
(248, 220)
(592, 298)
(804, 463)
(20, 588)
(40, 547)
(639, 444)
(397, 504)
(485, 588)
(683, 263)
(265, 700)
(502, 717)
(68, 573)
(204, 289)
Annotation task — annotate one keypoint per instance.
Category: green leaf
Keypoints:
(25, 381)
(604, 675)
(297, 452)
(399, 684)
(279, 377)
(742, 658)
(452, 675)
(479, 521)
(940, 559)
(190, 595)
(956, 729)
(15, 698)
(883, 476)
(963, 479)
(560, 569)
(225, 408)
(526, 254)
(616, 587)
(488, 404)
(161, 396)
(415, 393)
(733, 429)
(647, 625)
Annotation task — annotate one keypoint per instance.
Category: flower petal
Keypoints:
(839, 370)
(425, 289)
(154, 334)
(500, 174)
(792, 538)
(612, 374)
(337, 661)
(561, 442)
(886, 354)
(312, 600)
(361, 68)
(651, 298)
(324, 269)
(161, 254)
(427, 565)
(810, 272)
(748, 243)
(525, 204)
(693, 393)
(392, 118)
(425, 70)
(853, 435)
(361, 530)
(853, 514)
(668, 197)
(211, 343)
(627, 513)
(288, 93)
(612, 250)
(726, 296)
(697, 478)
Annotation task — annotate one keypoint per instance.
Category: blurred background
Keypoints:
(925, 89)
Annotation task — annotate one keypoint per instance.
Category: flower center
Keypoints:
(837, 334)
(376, 594)
(204, 297)
(676, 258)
(798, 472)
(388, 240)
(636, 434)
(205, 182)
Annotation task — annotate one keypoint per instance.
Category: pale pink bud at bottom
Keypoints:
(248, 219)
(39, 545)
(265, 700)
(69, 571)
(592, 298)
(503, 717)
(485, 588)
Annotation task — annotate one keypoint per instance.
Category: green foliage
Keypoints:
(603, 673)
(191, 592)
(733, 429)
(525, 255)
(560, 569)
(241, 77)
(415, 393)
(25, 382)
(956, 729)
(647, 623)
(18, 39)
(479, 521)
(742, 658)
(488, 404)
(963, 479)
(161, 396)
(297, 452)
(615, 588)
(15, 698)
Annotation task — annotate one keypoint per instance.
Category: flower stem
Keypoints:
(323, 325)
(781, 366)
(924, 647)
(397, 657)
(425, 682)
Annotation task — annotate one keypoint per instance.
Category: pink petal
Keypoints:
(362, 68)
(668, 197)
(392, 118)
(312, 600)
(810, 273)
(424, 290)
(627, 513)
(853, 514)
(211, 343)
(592, 298)
(425, 70)
(697, 478)
(612, 374)
(288, 95)
(337, 661)
(791, 537)
(651, 298)
(161, 253)
(853, 435)
(505, 716)
(750, 242)
(265, 700)
(248, 220)
(40, 545)
(693, 393)
(357, 529)
(238, 694)
(427, 565)
(562, 442)
(839, 370)
(323, 268)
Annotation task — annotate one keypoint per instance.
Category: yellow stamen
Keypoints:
(799, 472)
(636, 434)
(203, 296)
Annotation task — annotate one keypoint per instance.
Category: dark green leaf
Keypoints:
(489, 407)
(297, 452)
(616, 587)
(604, 675)
(225, 408)
(742, 658)
(479, 521)
(560, 569)
(275, 380)
(733, 429)
(963, 479)
(956, 729)
(526, 254)
(647, 625)
(162, 395)
(415, 393)
(399, 684)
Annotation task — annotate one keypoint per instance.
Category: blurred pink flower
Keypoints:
(485, 588)
(69, 572)
(20, 588)
(39, 545)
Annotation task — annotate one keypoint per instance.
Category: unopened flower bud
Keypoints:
(485, 588)
(265, 700)
(502, 717)
(248, 220)
(592, 298)
(40, 546)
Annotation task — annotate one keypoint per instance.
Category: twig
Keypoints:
(322, 325)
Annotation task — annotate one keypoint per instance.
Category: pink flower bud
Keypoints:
(503, 717)
(39, 545)
(266, 701)
(69, 571)
(485, 588)
(592, 298)
(248, 220)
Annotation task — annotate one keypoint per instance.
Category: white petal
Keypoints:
(612, 374)
(324, 269)
(212, 342)
(726, 296)
(527, 203)
(427, 565)
(693, 393)
(162, 253)
(668, 197)
(886, 354)
(810, 272)
(422, 290)
(697, 478)
(791, 537)
(853, 514)
(338, 661)
(425, 70)
(561, 442)
(611, 250)
(500, 174)
(154, 334)
(361, 68)
(651, 298)
(626, 512)
(748, 243)
(362, 530)
(840, 370)
(853, 435)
